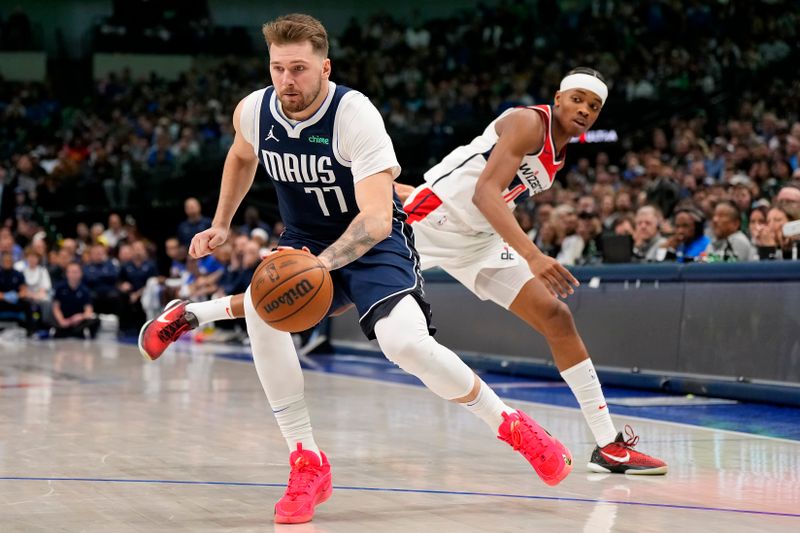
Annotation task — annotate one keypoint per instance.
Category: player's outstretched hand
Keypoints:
(558, 280)
(206, 241)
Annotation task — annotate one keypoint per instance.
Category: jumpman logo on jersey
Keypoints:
(271, 135)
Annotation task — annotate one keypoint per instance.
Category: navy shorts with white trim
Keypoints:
(376, 281)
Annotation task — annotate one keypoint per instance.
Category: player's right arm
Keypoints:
(237, 178)
(519, 133)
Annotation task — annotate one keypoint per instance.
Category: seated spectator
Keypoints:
(788, 195)
(689, 240)
(648, 244)
(195, 221)
(14, 304)
(133, 277)
(583, 248)
(100, 275)
(175, 285)
(37, 279)
(252, 220)
(8, 245)
(210, 270)
(624, 225)
(115, 232)
(777, 217)
(72, 307)
(547, 240)
(730, 243)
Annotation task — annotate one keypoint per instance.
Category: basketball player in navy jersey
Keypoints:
(326, 150)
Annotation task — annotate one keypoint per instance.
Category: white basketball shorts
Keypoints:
(480, 261)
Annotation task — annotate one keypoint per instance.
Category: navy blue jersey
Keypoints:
(316, 191)
(72, 301)
(316, 196)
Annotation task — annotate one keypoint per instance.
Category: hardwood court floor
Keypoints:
(94, 439)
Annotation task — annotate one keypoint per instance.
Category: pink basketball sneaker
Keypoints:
(551, 459)
(309, 485)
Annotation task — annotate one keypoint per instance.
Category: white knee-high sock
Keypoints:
(281, 377)
(212, 310)
(582, 380)
(488, 407)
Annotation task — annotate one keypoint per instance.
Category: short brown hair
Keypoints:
(297, 28)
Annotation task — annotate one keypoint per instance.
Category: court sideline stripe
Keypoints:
(412, 491)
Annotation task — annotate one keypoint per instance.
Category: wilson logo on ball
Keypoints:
(290, 296)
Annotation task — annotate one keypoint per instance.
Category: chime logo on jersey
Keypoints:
(298, 168)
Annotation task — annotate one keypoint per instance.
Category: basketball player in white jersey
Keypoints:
(308, 131)
(463, 222)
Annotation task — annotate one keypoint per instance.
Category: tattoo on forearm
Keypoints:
(353, 243)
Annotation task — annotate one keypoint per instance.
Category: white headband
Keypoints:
(585, 81)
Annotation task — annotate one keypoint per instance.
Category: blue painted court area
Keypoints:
(756, 418)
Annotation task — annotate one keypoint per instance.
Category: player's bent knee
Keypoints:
(409, 353)
(557, 319)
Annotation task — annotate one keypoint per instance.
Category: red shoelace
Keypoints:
(301, 477)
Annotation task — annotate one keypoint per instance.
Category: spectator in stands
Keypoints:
(57, 265)
(547, 240)
(37, 280)
(789, 195)
(730, 243)
(689, 241)
(648, 244)
(583, 247)
(115, 232)
(8, 245)
(100, 275)
(777, 217)
(72, 307)
(13, 294)
(624, 225)
(133, 277)
(6, 195)
(252, 220)
(758, 224)
(195, 221)
(742, 196)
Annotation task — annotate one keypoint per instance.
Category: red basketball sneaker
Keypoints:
(156, 335)
(619, 457)
(309, 485)
(551, 459)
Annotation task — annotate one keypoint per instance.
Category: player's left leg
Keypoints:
(515, 289)
(180, 317)
(404, 338)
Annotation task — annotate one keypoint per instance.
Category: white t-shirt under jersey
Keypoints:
(360, 134)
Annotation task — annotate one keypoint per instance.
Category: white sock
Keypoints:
(279, 370)
(582, 380)
(212, 310)
(292, 416)
(488, 407)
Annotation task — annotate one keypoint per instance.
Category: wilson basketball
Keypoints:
(291, 290)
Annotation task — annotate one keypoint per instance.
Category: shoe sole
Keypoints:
(658, 471)
(142, 351)
(300, 519)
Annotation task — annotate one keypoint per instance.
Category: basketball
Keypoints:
(291, 290)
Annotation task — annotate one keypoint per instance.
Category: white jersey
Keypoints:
(454, 179)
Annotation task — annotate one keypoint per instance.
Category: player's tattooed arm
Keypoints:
(372, 224)
(355, 242)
